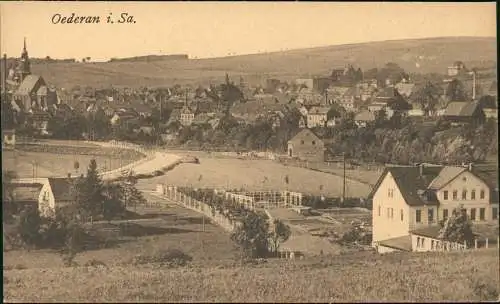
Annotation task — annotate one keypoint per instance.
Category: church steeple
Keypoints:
(24, 68)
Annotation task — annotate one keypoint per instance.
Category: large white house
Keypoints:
(408, 202)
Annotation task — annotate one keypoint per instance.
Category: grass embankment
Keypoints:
(459, 276)
(52, 161)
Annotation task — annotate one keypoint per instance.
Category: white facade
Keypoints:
(468, 190)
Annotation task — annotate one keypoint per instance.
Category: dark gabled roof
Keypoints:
(26, 192)
(305, 134)
(28, 84)
(461, 108)
(62, 188)
(430, 232)
(411, 183)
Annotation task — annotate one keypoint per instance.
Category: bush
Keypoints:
(169, 257)
(95, 263)
(29, 226)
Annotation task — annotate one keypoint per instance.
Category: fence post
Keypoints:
(486, 244)
(475, 243)
(465, 244)
(498, 243)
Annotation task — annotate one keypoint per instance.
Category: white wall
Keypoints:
(470, 183)
(386, 226)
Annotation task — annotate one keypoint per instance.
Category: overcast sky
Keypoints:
(218, 29)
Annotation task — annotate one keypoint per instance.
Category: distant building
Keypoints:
(363, 118)
(186, 116)
(302, 122)
(306, 146)
(457, 68)
(317, 117)
(405, 88)
(307, 82)
(320, 84)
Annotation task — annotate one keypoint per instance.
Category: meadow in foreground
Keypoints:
(459, 276)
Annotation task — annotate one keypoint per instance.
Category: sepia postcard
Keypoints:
(249, 152)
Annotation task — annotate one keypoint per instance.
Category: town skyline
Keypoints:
(181, 28)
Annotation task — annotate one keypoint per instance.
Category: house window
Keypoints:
(445, 214)
(473, 195)
(432, 244)
(481, 194)
(482, 214)
(391, 193)
(392, 213)
(379, 210)
(473, 214)
(455, 195)
(418, 241)
(388, 212)
(430, 214)
(494, 214)
(422, 242)
(401, 215)
(418, 215)
(464, 194)
(445, 195)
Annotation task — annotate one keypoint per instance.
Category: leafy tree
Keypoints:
(334, 112)
(380, 117)
(9, 206)
(456, 91)
(281, 233)
(427, 97)
(457, 227)
(113, 202)
(131, 195)
(253, 236)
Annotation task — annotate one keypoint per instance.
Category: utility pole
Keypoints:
(343, 188)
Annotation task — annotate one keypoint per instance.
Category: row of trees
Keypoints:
(256, 235)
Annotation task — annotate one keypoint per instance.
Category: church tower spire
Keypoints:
(24, 68)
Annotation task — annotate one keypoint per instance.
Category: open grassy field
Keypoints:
(57, 161)
(432, 55)
(411, 277)
(254, 175)
(156, 229)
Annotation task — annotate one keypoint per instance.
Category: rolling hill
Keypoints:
(416, 55)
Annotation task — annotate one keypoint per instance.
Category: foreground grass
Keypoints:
(469, 276)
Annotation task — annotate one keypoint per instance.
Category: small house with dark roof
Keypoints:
(49, 194)
(306, 146)
(460, 112)
(410, 199)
